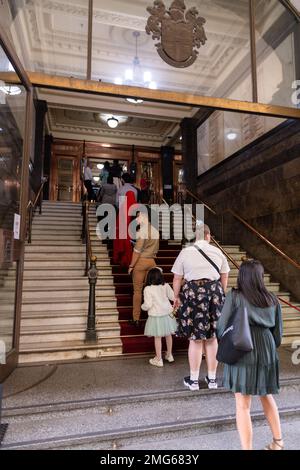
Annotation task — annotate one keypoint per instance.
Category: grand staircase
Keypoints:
(133, 339)
(55, 294)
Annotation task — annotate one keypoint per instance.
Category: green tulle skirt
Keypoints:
(257, 373)
(160, 326)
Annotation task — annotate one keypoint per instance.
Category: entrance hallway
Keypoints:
(125, 403)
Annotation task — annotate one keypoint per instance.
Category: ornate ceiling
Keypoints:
(51, 37)
(77, 115)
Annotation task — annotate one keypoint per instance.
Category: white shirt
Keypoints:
(124, 190)
(157, 300)
(192, 265)
(88, 174)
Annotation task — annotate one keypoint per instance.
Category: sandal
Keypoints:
(274, 444)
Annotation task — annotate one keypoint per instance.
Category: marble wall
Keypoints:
(262, 184)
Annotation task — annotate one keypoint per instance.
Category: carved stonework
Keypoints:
(180, 33)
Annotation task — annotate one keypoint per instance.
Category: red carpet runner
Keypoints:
(133, 338)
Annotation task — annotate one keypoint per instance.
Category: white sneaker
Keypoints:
(156, 362)
(191, 384)
(169, 358)
(212, 383)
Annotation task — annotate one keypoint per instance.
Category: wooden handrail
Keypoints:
(259, 235)
(264, 239)
(31, 206)
(252, 229)
(201, 202)
(288, 303)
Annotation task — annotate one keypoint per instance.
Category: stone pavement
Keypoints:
(127, 403)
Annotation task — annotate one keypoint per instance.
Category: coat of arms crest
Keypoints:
(180, 32)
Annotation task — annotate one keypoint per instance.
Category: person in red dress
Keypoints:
(122, 246)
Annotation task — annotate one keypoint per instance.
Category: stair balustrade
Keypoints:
(32, 206)
(91, 272)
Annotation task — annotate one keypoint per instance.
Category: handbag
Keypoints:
(236, 341)
(174, 313)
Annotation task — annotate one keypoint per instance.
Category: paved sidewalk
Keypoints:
(108, 378)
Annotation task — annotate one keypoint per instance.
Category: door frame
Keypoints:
(19, 245)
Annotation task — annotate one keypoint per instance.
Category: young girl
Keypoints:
(157, 296)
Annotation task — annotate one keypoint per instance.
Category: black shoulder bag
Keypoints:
(236, 340)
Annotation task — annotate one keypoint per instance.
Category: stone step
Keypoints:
(66, 256)
(290, 335)
(72, 350)
(52, 230)
(58, 227)
(62, 263)
(129, 421)
(290, 323)
(53, 273)
(56, 333)
(271, 286)
(37, 238)
(59, 273)
(72, 242)
(67, 293)
(75, 217)
(60, 305)
(45, 319)
(58, 249)
(64, 282)
(59, 204)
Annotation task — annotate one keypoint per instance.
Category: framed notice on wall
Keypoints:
(6, 246)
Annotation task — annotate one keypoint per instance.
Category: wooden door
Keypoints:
(65, 180)
(152, 171)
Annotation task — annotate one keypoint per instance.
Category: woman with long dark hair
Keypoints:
(257, 372)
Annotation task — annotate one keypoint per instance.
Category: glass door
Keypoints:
(12, 130)
(66, 175)
(149, 181)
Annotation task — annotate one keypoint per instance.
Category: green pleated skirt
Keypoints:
(257, 373)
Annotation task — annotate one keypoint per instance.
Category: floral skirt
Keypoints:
(201, 305)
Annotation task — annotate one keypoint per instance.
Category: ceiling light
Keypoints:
(135, 76)
(152, 86)
(1, 129)
(232, 135)
(112, 122)
(100, 166)
(134, 100)
(96, 178)
(10, 90)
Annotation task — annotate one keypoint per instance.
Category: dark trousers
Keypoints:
(89, 187)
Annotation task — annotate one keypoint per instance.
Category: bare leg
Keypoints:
(157, 344)
(211, 348)
(243, 420)
(169, 342)
(195, 358)
(272, 415)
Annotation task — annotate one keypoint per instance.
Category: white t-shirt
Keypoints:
(192, 265)
(157, 300)
(88, 174)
